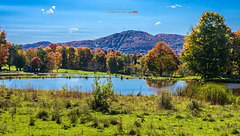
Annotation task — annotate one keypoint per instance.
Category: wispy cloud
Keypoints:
(99, 21)
(50, 11)
(175, 6)
(157, 23)
(72, 29)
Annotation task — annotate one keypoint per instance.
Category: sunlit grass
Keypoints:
(128, 114)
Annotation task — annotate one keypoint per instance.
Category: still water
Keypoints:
(122, 86)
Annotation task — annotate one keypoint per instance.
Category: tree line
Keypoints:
(82, 58)
(211, 50)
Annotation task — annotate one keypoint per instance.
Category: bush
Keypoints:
(42, 114)
(193, 105)
(102, 95)
(113, 121)
(165, 100)
(32, 121)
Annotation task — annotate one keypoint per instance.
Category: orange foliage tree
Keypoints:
(30, 54)
(161, 59)
(4, 45)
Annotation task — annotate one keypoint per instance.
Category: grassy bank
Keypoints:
(39, 112)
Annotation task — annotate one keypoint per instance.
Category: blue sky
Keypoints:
(29, 21)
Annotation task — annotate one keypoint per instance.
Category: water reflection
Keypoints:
(160, 83)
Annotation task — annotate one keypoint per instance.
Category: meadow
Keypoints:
(208, 109)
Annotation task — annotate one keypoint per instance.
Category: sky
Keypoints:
(30, 21)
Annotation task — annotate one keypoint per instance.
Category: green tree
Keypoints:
(100, 59)
(20, 59)
(64, 53)
(206, 51)
(12, 50)
(72, 57)
(112, 64)
(41, 53)
(84, 57)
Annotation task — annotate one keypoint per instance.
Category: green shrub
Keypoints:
(102, 95)
(165, 100)
(193, 105)
(32, 121)
(41, 114)
(74, 119)
(113, 121)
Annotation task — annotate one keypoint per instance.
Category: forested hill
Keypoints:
(125, 42)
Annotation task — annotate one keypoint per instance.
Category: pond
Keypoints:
(122, 86)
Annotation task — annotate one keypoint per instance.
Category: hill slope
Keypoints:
(125, 42)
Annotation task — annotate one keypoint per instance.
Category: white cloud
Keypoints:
(99, 21)
(158, 23)
(72, 29)
(50, 11)
(175, 6)
(178, 5)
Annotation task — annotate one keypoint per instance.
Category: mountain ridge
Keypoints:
(126, 42)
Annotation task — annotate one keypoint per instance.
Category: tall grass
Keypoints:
(210, 92)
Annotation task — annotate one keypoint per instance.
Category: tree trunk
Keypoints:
(0, 67)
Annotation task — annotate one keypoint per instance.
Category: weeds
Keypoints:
(102, 95)
(165, 100)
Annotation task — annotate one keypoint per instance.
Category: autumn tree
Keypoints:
(236, 49)
(36, 63)
(20, 59)
(30, 54)
(4, 45)
(53, 47)
(206, 51)
(58, 59)
(160, 58)
(50, 62)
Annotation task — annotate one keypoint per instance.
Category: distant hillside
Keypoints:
(125, 42)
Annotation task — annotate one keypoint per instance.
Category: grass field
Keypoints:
(39, 112)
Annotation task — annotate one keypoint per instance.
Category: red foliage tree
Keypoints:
(36, 63)
(53, 47)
